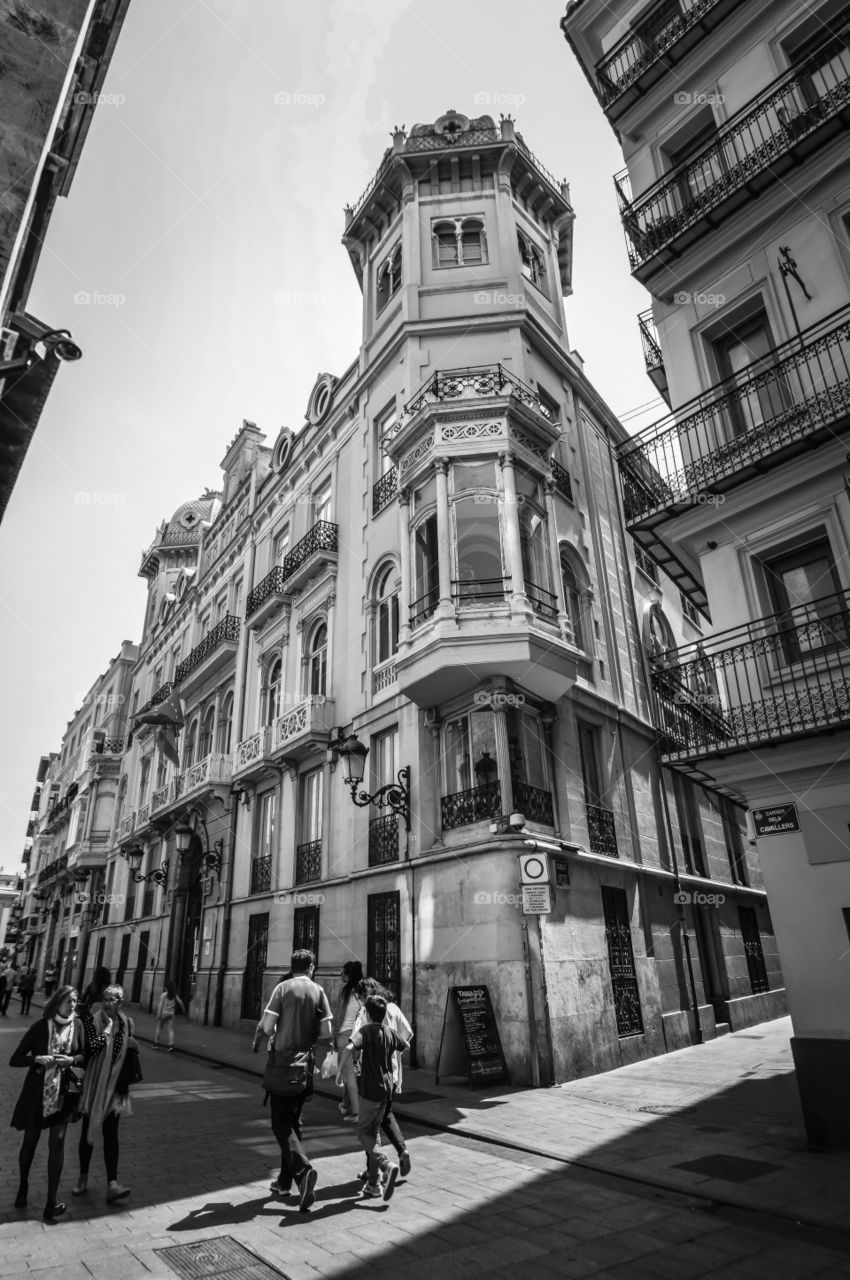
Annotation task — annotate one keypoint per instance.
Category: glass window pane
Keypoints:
(474, 475)
(425, 495)
(458, 763)
(478, 542)
(483, 745)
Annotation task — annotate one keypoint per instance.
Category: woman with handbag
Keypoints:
(53, 1049)
(346, 1014)
(106, 1098)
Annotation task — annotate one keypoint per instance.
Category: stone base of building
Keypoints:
(823, 1069)
(679, 1029)
(746, 1011)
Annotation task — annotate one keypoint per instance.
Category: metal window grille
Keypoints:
(621, 961)
(752, 950)
(305, 930)
(383, 943)
(255, 966)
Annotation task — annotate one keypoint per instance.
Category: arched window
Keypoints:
(225, 725)
(531, 262)
(317, 660)
(576, 597)
(274, 675)
(386, 614)
(191, 745)
(459, 242)
(388, 278)
(207, 729)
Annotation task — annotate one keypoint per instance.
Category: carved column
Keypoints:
(513, 545)
(404, 565)
(566, 627)
(444, 548)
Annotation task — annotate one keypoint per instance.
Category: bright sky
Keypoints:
(198, 264)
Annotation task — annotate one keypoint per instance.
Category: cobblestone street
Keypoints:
(198, 1155)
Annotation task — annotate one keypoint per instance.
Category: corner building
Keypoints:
(436, 562)
(735, 206)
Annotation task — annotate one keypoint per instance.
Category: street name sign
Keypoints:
(776, 821)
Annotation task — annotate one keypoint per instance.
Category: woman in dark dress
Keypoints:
(50, 1045)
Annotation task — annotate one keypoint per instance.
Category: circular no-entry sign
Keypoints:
(533, 868)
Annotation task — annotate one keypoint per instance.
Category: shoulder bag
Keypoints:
(131, 1067)
(288, 1072)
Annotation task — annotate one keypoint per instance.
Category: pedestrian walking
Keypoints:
(373, 1046)
(106, 1097)
(258, 1030)
(26, 987)
(50, 1094)
(297, 1015)
(9, 980)
(51, 976)
(395, 1021)
(345, 1017)
(169, 1003)
(93, 994)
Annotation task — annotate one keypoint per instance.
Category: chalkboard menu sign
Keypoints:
(470, 1043)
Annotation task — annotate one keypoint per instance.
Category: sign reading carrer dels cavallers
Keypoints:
(776, 821)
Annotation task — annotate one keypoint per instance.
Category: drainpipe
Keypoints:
(234, 803)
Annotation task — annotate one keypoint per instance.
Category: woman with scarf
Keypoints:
(50, 1046)
(105, 1098)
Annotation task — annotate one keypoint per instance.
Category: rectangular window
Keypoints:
(601, 829)
(305, 930)
(322, 506)
(264, 845)
(281, 544)
(384, 758)
(426, 571)
(743, 349)
(308, 852)
(733, 832)
(621, 961)
(527, 754)
(480, 574)
(820, 50)
(383, 950)
(144, 776)
(255, 966)
(805, 590)
(384, 425)
(689, 609)
(752, 950)
(690, 827)
(589, 764)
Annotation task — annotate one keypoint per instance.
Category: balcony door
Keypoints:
(806, 595)
(700, 165)
(746, 349)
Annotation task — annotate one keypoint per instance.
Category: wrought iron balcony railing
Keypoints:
(652, 355)
(161, 694)
(646, 42)
(798, 391)
(780, 677)
(423, 608)
(542, 601)
(271, 583)
(385, 490)
(308, 862)
(533, 803)
(227, 629)
(322, 537)
(483, 382)
(480, 590)
(261, 874)
(563, 480)
(601, 831)
(742, 155)
(383, 840)
(474, 805)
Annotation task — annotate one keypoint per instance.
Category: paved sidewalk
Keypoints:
(730, 1106)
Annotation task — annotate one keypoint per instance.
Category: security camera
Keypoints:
(59, 341)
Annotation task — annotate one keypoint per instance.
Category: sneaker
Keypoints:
(278, 1189)
(404, 1164)
(390, 1181)
(351, 1119)
(364, 1176)
(373, 1192)
(117, 1192)
(170, 1048)
(308, 1190)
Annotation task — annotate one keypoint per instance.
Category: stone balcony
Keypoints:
(210, 774)
(252, 755)
(304, 730)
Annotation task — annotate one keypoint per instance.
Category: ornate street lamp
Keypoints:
(211, 858)
(394, 796)
(134, 855)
